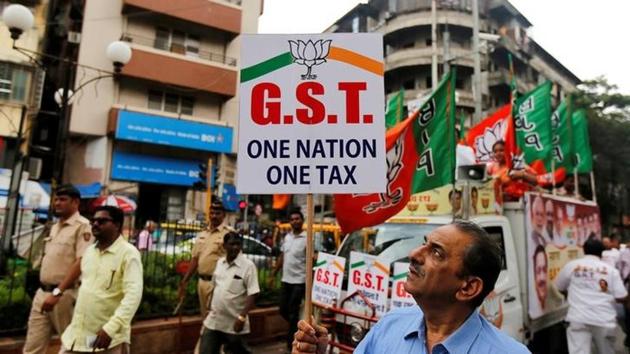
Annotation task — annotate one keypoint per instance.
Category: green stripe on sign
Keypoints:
(319, 264)
(266, 67)
(400, 276)
(357, 264)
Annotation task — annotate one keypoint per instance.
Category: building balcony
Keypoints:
(223, 15)
(463, 98)
(407, 57)
(422, 18)
(204, 71)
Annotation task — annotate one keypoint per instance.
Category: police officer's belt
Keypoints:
(48, 288)
(205, 277)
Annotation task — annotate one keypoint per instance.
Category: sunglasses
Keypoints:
(101, 221)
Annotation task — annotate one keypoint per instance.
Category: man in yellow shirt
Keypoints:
(110, 292)
(53, 303)
(207, 250)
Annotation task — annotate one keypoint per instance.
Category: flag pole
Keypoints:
(553, 175)
(308, 308)
(594, 192)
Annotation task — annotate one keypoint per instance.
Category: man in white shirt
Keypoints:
(293, 263)
(235, 281)
(611, 252)
(593, 288)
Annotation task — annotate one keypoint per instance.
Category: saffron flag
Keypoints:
(497, 127)
(584, 157)
(281, 201)
(532, 124)
(420, 156)
(395, 109)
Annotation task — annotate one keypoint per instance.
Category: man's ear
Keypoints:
(471, 288)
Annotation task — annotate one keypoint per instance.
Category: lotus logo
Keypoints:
(309, 54)
(484, 143)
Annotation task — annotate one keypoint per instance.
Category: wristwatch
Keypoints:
(242, 318)
(57, 292)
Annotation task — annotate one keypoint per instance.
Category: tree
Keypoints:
(608, 113)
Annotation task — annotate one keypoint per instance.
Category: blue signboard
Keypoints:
(230, 198)
(144, 168)
(159, 130)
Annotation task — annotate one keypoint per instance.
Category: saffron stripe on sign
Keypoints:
(319, 264)
(381, 267)
(339, 266)
(400, 276)
(357, 264)
(267, 66)
(356, 59)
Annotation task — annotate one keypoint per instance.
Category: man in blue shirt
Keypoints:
(449, 277)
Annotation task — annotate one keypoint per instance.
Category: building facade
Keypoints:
(406, 28)
(144, 132)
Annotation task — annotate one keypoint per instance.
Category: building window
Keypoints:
(14, 82)
(409, 85)
(171, 102)
(177, 42)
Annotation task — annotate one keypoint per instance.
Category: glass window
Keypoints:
(177, 42)
(19, 85)
(171, 103)
(496, 233)
(155, 99)
(188, 103)
(162, 38)
(192, 46)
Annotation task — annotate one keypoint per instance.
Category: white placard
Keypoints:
(369, 275)
(311, 114)
(327, 279)
(400, 298)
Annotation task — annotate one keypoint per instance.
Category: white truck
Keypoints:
(508, 305)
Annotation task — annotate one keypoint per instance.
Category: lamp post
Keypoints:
(19, 19)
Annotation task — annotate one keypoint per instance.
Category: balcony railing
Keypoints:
(179, 49)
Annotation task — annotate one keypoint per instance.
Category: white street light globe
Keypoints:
(119, 53)
(18, 18)
(59, 97)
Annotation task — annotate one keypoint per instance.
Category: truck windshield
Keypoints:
(392, 242)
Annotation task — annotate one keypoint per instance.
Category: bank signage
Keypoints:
(151, 169)
(153, 129)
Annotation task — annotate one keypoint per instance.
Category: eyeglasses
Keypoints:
(101, 221)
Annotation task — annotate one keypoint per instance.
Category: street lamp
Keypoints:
(19, 19)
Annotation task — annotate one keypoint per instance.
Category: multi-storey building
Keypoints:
(144, 132)
(406, 28)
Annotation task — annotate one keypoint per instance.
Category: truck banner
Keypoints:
(370, 276)
(556, 228)
(400, 298)
(327, 279)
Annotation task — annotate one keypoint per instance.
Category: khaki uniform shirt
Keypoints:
(110, 293)
(233, 283)
(65, 244)
(208, 248)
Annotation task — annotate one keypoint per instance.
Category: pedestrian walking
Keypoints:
(51, 310)
(206, 252)
(145, 238)
(292, 261)
(593, 286)
(235, 281)
(110, 291)
(449, 277)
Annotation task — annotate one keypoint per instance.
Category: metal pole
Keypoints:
(13, 198)
(246, 227)
(593, 187)
(208, 189)
(477, 62)
(308, 308)
(447, 49)
(434, 50)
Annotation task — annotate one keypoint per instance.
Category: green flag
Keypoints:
(562, 137)
(434, 133)
(395, 109)
(532, 124)
(581, 142)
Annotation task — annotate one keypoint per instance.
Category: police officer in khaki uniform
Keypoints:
(207, 250)
(60, 268)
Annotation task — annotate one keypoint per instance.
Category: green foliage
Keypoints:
(15, 303)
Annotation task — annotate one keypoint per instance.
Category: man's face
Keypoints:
(538, 214)
(296, 222)
(65, 206)
(540, 277)
(549, 215)
(216, 217)
(103, 226)
(232, 248)
(606, 242)
(436, 265)
(456, 199)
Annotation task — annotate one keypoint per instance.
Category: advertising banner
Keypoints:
(370, 277)
(400, 298)
(311, 114)
(556, 228)
(327, 279)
